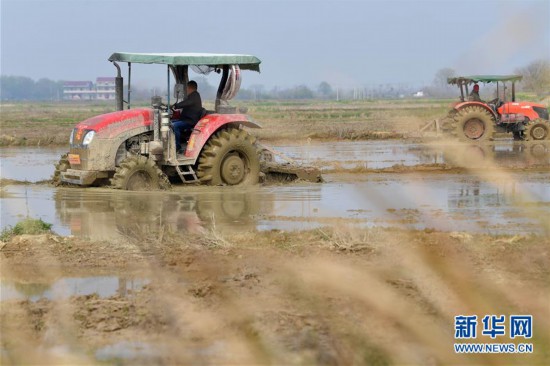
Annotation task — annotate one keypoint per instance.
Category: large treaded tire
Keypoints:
(138, 173)
(60, 167)
(229, 158)
(473, 124)
(447, 124)
(537, 130)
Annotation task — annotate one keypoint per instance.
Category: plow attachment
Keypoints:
(278, 167)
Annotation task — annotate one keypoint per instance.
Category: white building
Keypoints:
(104, 89)
(78, 90)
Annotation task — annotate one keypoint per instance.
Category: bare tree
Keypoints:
(536, 77)
(439, 87)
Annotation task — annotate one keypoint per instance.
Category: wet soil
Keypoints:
(327, 296)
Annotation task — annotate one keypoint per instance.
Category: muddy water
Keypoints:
(512, 204)
(384, 154)
(29, 164)
(36, 164)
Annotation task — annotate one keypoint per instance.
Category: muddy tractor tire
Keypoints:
(447, 124)
(229, 158)
(138, 173)
(60, 167)
(473, 124)
(538, 129)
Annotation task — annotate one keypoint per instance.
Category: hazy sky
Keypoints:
(347, 43)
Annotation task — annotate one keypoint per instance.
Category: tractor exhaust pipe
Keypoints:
(119, 88)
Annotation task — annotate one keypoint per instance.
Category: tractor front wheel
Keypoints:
(229, 158)
(538, 129)
(138, 173)
(60, 167)
(474, 124)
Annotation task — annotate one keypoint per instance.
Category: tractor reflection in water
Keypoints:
(106, 215)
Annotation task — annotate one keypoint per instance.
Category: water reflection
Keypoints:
(515, 154)
(100, 214)
(417, 201)
(103, 286)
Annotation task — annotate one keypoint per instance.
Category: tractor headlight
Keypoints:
(88, 138)
(72, 137)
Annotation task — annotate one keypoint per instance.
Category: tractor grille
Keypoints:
(542, 112)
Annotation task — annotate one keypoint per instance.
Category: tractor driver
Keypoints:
(474, 95)
(191, 111)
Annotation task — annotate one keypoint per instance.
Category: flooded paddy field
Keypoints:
(297, 273)
(33, 164)
(445, 202)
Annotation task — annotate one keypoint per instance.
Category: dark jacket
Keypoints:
(191, 107)
(474, 96)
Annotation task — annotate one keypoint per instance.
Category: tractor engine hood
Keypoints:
(112, 124)
(530, 109)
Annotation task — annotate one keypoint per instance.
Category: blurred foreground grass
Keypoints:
(337, 295)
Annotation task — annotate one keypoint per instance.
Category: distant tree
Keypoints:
(441, 76)
(16, 88)
(46, 89)
(324, 89)
(303, 92)
(440, 88)
(536, 76)
(24, 88)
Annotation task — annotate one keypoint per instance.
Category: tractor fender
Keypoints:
(209, 125)
(462, 105)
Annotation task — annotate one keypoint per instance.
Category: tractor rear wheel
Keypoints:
(447, 124)
(474, 124)
(229, 158)
(138, 173)
(538, 129)
(60, 167)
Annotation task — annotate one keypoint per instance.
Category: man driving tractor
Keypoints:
(474, 95)
(190, 114)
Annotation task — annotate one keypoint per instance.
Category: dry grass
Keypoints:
(26, 124)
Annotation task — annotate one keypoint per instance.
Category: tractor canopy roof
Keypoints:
(483, 78)
(245, 62)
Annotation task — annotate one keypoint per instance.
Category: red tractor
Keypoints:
(135, 148)
(477, 121)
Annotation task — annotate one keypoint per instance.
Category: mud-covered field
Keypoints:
(369, 267)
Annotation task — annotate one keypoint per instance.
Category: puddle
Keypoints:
(30, 164)
(370, 154)
(142, 351)
(446, 202)
(385, 154)
(127, 350)
(36, 164)
(104, 286)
